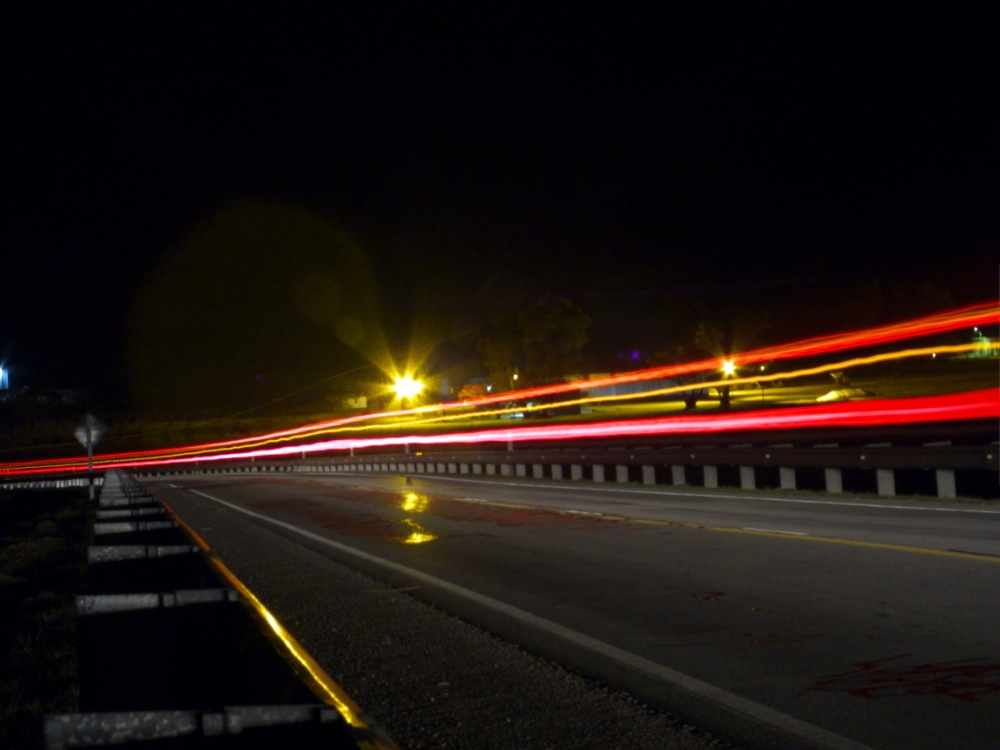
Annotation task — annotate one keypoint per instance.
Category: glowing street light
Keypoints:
(406, 387)
(728, 368)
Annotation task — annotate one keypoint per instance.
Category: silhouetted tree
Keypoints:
(542, 342)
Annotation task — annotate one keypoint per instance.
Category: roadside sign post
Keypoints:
(88, 432)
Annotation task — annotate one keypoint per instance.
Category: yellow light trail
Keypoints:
(937, 323)
(805, 372)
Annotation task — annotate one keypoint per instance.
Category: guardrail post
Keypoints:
(886, 481)
(621, 474)
(748, 478)
(834, 480)
(649, 475)
(787, 477)
(711, 476)
(557, 471)
(506, 470)
(677, 476)
(521, 470)
(491, 469)
(946, 483)
(598, 472)
(575, 472)
(538, 471)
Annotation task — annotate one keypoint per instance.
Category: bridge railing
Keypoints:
(933, 468)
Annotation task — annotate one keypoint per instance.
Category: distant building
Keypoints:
(635, 388)
(358, 402)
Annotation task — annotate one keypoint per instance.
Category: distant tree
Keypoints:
(913, 298)
(554, 333)
(501, 354)
(731, 331)
(542, 342)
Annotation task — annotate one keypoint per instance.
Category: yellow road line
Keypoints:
(312, 673)
(751, 532)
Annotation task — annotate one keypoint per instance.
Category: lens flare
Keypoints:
(406, 387)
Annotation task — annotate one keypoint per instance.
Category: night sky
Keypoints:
(633, 161)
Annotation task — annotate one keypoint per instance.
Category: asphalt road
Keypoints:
(767, 619)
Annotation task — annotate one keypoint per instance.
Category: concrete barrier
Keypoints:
(945, 483)
(834, 481)
(885, 480)
(786, 477)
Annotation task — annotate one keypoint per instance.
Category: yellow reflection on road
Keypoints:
(419, 535)
(414, 503)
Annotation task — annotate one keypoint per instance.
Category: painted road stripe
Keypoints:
(776, 531)
(959, 554)
(670, 493)
(784, 722)
(567, 485)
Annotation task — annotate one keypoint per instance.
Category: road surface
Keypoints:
(767, 619)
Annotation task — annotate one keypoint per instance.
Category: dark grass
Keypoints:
(43, 554)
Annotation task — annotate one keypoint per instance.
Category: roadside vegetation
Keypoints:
(43, 554)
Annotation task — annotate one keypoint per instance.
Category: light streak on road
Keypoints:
(197, 454)
(982, 404)
(984, 314)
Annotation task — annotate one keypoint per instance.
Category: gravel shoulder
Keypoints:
(431, 679)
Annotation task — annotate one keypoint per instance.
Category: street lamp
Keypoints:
(406, 387)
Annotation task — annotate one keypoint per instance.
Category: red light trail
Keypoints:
(983, 314)
(983, 404)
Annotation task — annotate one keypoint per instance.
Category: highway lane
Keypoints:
(876, 621)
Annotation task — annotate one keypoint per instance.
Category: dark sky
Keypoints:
(610, 154)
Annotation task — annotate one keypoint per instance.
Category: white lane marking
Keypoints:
(731, 701)
(663, 493)
(776, 531)
(173, 485)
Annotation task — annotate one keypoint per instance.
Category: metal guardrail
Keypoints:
(674, 465)
(51, 484)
